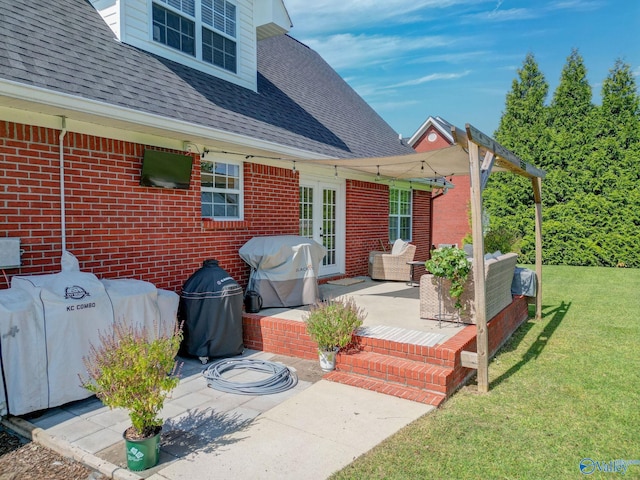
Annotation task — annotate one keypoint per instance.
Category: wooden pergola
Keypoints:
(477, 155)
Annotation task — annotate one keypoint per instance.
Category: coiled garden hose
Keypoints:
(281, 379)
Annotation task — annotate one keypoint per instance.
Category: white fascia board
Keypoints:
(152, 123)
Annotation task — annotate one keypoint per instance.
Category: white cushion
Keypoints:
(399, 246)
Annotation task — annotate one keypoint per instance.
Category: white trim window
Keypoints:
(400, 214)
(208, 34)
(219, 34)
(221, 190)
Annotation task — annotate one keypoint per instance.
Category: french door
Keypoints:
(322, 219)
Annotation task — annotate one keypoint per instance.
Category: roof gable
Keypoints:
(439, 124)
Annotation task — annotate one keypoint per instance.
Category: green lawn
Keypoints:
(564, 388)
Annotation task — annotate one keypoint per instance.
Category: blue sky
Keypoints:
(457, 59)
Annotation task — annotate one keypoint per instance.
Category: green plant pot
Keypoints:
(142, 454)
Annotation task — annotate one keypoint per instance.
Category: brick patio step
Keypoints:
(437, 354)
(401, 371)
(400, 391)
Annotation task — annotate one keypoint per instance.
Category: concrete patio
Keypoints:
(309, 431)
(395, 305)
(395, 352)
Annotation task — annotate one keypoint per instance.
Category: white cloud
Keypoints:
(343, 51)
(336, 15)
(453, 58)
(392, 105)
(432, 78)
(504, 15)
(577, 5)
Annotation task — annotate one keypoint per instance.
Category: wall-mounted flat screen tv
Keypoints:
(165, 170)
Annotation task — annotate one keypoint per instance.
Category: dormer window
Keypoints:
(175, 23)
(219, 33)
(174, 30)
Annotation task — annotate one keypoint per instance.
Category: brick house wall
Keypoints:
(422, 226)
(451, 213)
(368, 223)
(450, 216)
(119, 229)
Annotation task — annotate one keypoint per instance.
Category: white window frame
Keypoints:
(399, 216)
(229, 31)
(218, 190)
(164, 5)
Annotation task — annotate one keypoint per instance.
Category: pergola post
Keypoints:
(536, 182)
(482, 336)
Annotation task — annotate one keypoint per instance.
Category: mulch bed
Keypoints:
(20, 460)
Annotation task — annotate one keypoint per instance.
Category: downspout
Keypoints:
(63, 221)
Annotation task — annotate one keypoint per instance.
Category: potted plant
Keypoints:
(132, 370)
(331, 324)
(450, 263)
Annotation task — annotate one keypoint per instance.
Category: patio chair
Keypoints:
(392, 266)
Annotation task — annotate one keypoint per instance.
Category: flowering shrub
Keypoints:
(129, 371)
(332, 323)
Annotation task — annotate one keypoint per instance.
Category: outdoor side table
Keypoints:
(412, 282)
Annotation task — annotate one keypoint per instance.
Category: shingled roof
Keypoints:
(301, 102)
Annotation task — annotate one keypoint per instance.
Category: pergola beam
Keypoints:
(487, 165)
(479, 175)
(506, 159)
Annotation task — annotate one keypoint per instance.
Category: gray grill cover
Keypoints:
(211, 307)
(284, 269)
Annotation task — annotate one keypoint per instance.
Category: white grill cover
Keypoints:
(47, 323)
(74, 307)
(168, 303)
(23, 354)
(284, 269)
(135, 302)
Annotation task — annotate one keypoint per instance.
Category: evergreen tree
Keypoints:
(523, 123)
(615, 167)
(508, 198)
(570, 133)
(591, 194)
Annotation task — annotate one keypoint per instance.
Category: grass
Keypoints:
(564, 388)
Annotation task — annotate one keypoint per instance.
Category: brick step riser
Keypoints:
(397, 371)
(437, 355)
